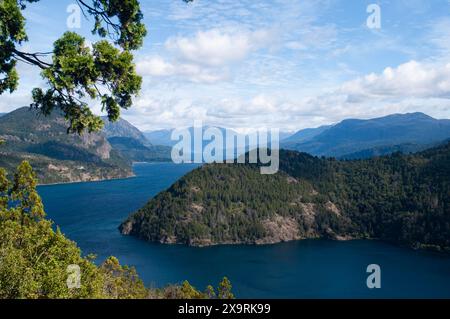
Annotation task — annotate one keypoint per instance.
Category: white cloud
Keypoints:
(217, 47)
(206, 57)
(156, 66)
(411, 79)
(409, 87)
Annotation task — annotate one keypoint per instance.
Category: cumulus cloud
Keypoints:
(410, 87)
(218, 47)
(411, 79)
(206, 57)
(156, 66)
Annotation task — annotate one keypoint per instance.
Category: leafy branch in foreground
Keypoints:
(74, 72)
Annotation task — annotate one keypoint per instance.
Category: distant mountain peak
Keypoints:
(123, 128)
(413, 115)
(352, 136)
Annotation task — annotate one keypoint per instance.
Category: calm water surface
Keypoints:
(89, 213)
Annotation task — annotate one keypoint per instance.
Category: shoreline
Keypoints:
(104, 179)
(93, 181)
(443, 251)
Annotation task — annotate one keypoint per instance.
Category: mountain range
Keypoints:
(365, 138)
(353, 138)
(160, 137)
(123, 128)
(163, 137)
(59, 157)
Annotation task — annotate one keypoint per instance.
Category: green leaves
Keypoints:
(35, 257)
(24, 191)
(12, 32)
(79, 73)
(4, 188)
(225, 289)
(121, 19)
(12, 22)
(76, 74)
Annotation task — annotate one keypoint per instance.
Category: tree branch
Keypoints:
(32, 58)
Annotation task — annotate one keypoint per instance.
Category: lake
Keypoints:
(89, 213)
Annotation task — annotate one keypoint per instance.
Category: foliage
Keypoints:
(187, 291)
(34, 256)
(398, 198)
(226, 203)
(225, 289)
(75, 71)
(122, 282)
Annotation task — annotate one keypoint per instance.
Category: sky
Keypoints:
(286, 64)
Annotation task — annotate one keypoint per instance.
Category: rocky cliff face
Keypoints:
(56, 155)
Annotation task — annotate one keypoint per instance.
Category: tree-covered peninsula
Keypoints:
(398, 198)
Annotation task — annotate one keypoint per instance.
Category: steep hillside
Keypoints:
(398, 198)
(57, 156)
(123, 128)
(132, 144)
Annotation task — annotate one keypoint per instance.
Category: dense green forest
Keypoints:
(398, 198)
(34, 256)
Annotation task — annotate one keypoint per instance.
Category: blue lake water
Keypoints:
(89, 213)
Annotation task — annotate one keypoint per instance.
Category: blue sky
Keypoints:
(287, 64)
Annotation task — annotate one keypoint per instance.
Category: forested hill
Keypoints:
(55, 155)
(398, 198)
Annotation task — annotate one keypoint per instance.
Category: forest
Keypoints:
(398, 198)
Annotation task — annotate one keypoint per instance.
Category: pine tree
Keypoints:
(225, 289)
